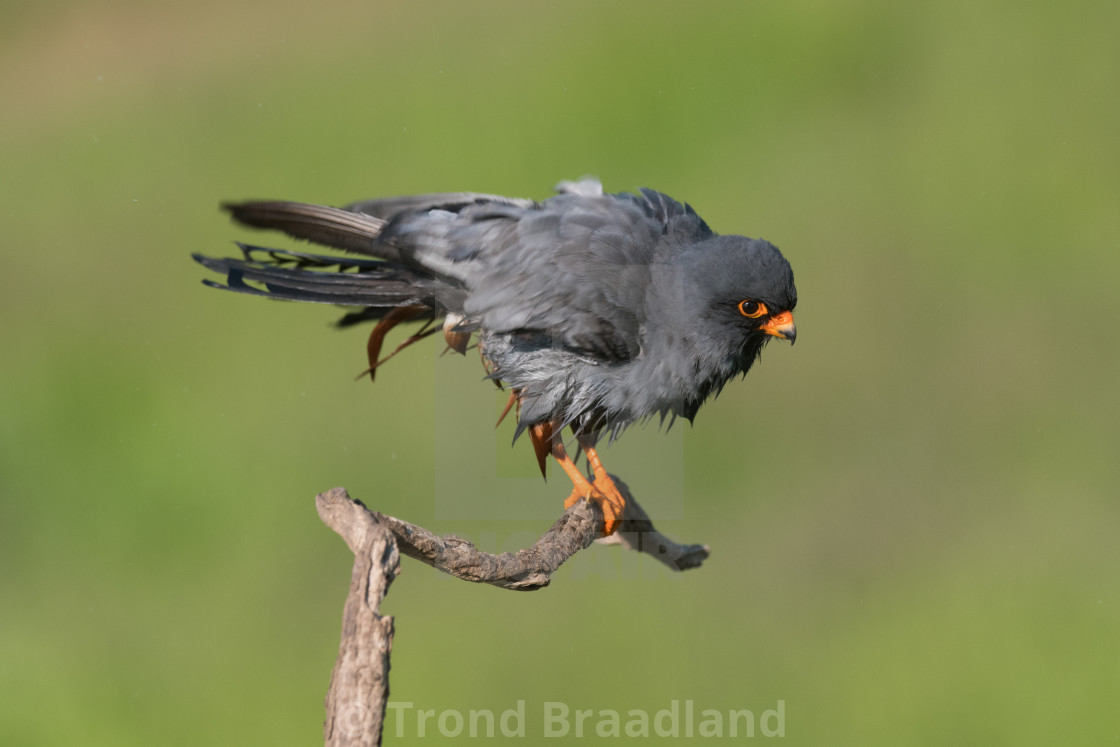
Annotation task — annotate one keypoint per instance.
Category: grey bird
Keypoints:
(595, 311)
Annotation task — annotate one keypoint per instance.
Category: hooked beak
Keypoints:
(781, 325)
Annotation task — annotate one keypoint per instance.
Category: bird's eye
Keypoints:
(752, 309)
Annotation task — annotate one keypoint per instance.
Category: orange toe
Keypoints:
(606, 497)
(602, 491)
(572, 499)
(611, 502)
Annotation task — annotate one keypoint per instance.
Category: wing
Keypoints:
(390, 207)
(573, 269)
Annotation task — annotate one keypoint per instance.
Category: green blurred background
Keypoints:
(913, 514)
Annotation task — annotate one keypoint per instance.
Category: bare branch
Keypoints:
(636, 532)
(359, 686)
(525, 570)
(532, 568)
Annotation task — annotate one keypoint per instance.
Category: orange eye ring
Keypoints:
(752, 309)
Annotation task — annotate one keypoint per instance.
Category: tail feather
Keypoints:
(299, 276)
(342, 229)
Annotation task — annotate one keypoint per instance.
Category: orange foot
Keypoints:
(605, 494)
(602, 490)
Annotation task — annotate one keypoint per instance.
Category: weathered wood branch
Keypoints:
(532, 568)
(359, 688)
(636, 532)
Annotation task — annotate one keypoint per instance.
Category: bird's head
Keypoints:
(732, 292)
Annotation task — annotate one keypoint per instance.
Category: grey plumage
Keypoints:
(599, 310)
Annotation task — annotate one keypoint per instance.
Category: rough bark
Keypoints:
(359, 688)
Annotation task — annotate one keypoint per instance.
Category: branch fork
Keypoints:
(359, 688)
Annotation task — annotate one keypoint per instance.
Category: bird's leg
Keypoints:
(611, 500)
(542, 434)
(602, 491)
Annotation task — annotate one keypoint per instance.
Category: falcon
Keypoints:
(594, 311)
